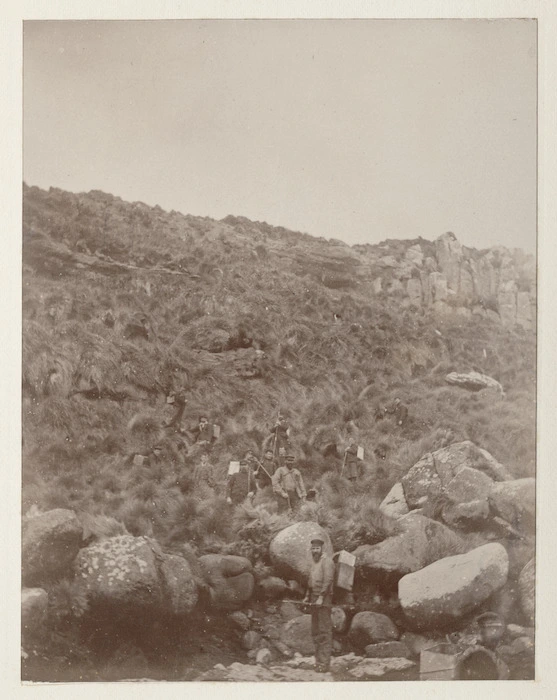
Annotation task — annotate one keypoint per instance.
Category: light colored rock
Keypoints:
(450, 588)
(383, 650)
(469, 485)
(463, 515)
(369, 627)
(421, 482)
(409, 551)
(373, 668)
(417, 643)
(289, 611)
(263, 657)
(415, 255)
(448, 252)
(394, 504)
(466, 281)
(414, 291)
(296, 634)
(290, 549)
(377, 285)
(515, 631)
(180, 588)
(34, 603)
(121, 571)
(527, 590)
(50, 543)
(473, 381)
(438, 287)
(515, 502)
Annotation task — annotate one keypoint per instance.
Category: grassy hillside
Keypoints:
(123, 303)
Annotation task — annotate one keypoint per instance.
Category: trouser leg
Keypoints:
(322, 634)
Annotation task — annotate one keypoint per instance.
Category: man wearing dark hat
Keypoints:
(320, 596)
(288, 486)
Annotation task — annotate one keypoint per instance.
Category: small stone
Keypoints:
(263, 657)
(250, 640)
(384, 650)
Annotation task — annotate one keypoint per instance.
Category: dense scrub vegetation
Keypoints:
(124, 304)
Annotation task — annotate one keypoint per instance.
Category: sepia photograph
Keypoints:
(279, 350)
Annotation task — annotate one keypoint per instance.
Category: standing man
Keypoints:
(240, 485)
(265, 470)
(320, 596)
(288, 486)
(204, 477)
(351, 462)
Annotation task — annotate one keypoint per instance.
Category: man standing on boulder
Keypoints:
(320, 596)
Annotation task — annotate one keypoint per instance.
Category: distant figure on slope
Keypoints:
(204, 477)
(178, 399)
(265, 470)
(240, 485)
(288, 486)
(203, 434)
(280, 435)
(352, 468)
(399, 411)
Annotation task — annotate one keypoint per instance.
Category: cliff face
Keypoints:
(450, 278)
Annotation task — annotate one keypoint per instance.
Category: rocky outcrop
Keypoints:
(34, 602)
(450, 588)
(527, 589)
(422, 541)
(290, 549)
(473, 381)
(382, 650)
(432, 474)
(229, 578)
(497, 283)
(394, 504)
(132, 573)
(370, 627)
(515, 502)
(50, 543)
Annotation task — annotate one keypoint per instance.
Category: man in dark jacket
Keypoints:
(352, 465)
(240, 485)
(320, 596)
(265, 470)
(203, 433)
(399, 411)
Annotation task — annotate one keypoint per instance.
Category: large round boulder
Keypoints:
(515, 502)
(296, 634)
(121, 572)
(229, 578)
(34, 603)
(527, 590)
(370, 628)
(50, 543)
(422, 541)
(450, 588)
(290, 549)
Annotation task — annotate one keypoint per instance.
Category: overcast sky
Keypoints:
(359, 130)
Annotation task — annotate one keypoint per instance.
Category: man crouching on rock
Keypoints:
(320, 596)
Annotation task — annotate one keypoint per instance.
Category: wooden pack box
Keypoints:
(345, 569)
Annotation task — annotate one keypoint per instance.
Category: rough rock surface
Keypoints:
(421, 540)
(394, 504)
(433, 473)
(347, 667)
(527, 588)
(452, 587)
(296, 634)
(369, 627)
(50, 543)
(229, 578)
(290, 549)
(383, 650)
(473, 381)
(179, 586)
(272, 587)
(515, 502)
(34, 602)
(121, 571)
